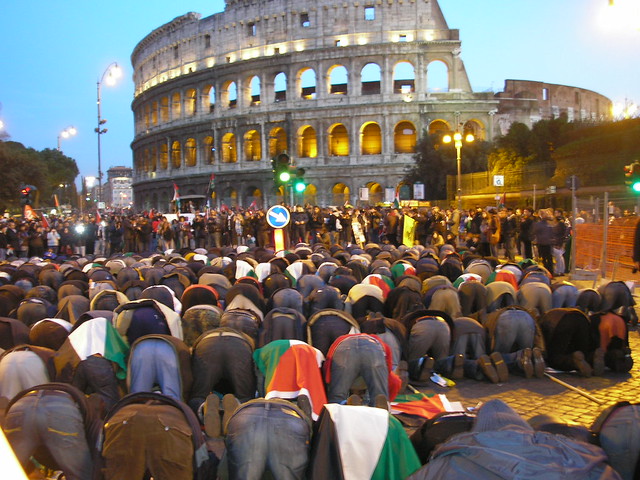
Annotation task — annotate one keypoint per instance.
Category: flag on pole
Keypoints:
(29, 214)
(408, 231)
(503, 200)
(396, 200)
(44, 222)
(55, 199)
(253, 205)
(176, 196)
(98, 217)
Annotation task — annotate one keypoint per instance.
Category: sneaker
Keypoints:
(382, 402)
(487, 368)
(355, 400)
(525, 363)
(305, 405)
(211, 414)
(598, 362)
(229, 404)
(580, 364)
(458, 367)
(501, 368)
(538, 362)
(427, 369)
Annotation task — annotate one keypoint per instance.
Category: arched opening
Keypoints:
(154, 159)
(307, 143)
(404, 78)
(209, 98)
(230, 95)
(229, 151)
(164, 110)
(176, 154)
(154, 113)
(307, 84)
(191, 101)
(253, 198)
(437, 77)
(176, 106)
(209, 150)
(405, 137)
(277, 142)
(280, 87)
(190, 152)
(371, 139)
(255, 90)
(231, 197)
(146, 160)
(310, 195)
(341, 194)
(439, 127)
(338, 141)
(252, 146)
(164, 156)
(376, 193)
(475, 128)
(370, 79)
(147, 116)
(338, 80)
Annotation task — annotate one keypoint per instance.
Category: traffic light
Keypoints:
(632, 174)
(25, 195)
(299, 184)
(280, 166)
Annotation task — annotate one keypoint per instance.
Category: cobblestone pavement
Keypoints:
(534, 396)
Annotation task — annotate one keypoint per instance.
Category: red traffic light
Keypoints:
(25, 191)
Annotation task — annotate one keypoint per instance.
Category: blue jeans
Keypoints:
(53, 420)
(515, 330)
(564, 296)
(429, 336)
(154, 361)
(267, 434)
(357, 356)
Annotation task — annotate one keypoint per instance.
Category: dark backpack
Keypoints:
(617, 431)
(438, 430)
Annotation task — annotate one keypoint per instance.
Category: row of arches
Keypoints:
(251, 147)
(276, 87)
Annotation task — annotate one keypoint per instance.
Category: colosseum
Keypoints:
(345, 89)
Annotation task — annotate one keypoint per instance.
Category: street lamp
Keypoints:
(457, 139)
(66, 133)
(110, 76)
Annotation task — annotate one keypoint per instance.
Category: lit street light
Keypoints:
(110, 76)
(457, 139)
(66, 133)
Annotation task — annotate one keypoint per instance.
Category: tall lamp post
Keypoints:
(66, 133)
(110, 75)
(457, 139)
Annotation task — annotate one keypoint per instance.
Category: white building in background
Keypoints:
(118, 191)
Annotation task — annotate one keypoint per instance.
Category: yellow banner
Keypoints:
(408, 231)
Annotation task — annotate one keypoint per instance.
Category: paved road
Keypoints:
(535, 396)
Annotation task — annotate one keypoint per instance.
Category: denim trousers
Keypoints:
(515, 330)
(267, 434)
(50, 419)
(358, 356)
(154, 361)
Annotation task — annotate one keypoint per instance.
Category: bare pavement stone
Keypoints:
(530, 397)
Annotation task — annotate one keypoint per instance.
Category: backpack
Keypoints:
(617, 431)
(438, 430)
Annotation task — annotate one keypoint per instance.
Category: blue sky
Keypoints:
(53, 53)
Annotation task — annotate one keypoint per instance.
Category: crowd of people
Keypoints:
(202, 352)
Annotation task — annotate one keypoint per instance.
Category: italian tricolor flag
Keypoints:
(95, 336)
(292, 368)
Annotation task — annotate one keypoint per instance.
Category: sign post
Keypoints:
(278, 217)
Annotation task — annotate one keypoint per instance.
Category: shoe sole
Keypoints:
(458, 367)
(527, 363)
(598, 362)
(229, 404)
(488, 369)
(212, 426)
(500, 366)
(427, 370)
(538, 363)
(584, 369)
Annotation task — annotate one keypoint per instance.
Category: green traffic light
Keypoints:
(300, 187)
(636, 187)
(284, 177)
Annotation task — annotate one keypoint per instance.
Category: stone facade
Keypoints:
(118, 191)
(344, 88)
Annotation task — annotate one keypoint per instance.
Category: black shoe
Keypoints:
(580, 364)
(501, 367)
(427, 369)
(487, 368)
(538, 362)
(598, 362)
(526, 363)
(458, 367)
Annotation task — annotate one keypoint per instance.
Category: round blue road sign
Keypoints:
(278, 216)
